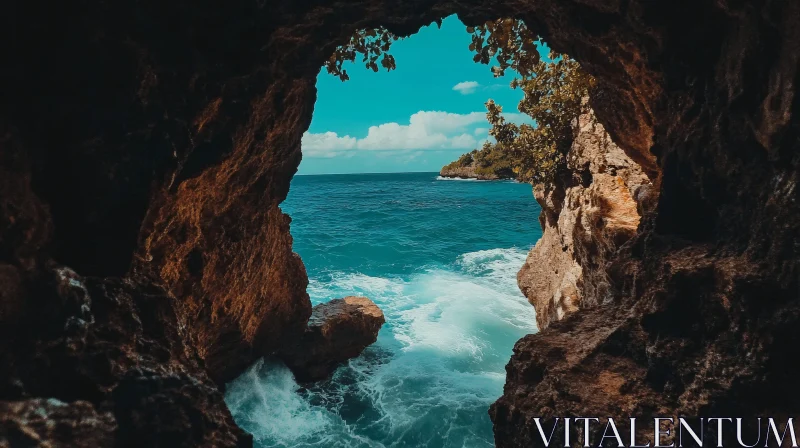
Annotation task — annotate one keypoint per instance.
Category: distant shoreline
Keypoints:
(361, 174)
(472, 172)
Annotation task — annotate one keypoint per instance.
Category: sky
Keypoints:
(418, 117)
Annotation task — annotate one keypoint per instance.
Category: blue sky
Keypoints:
(418, 117)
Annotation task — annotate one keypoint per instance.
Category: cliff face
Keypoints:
(703, 299)
(154, 141)
(102, 362)
(587, 214)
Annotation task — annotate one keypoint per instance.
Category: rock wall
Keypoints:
(155, 141)
(592, 209)
(102, 362)
(704, 298)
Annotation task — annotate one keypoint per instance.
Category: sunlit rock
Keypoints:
(585, 217)
(337, 331)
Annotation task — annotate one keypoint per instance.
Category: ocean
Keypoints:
(440, 258)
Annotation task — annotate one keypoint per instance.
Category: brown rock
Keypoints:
(12, 297)
(586, 215)
(337, 331)
(113, 350)
(156, 140)
(54, 424)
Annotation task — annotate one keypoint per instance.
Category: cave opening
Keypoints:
(147, 146)
(371, 216)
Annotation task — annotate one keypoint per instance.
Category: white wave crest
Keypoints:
(463, 179)
(264, 401)
(438, 363)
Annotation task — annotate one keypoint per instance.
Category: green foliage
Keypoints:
(487, 161)
(465, 160)
(554, 97)
(371, 45)
(509, 42)
(554, 93)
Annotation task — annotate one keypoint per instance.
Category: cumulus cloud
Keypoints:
(466, 87)
(480, 131)
(326, 144)
(426, 130)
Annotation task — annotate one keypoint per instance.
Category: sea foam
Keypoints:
(428, 381)
(465, 179)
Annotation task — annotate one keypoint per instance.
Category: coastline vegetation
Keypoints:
(487, 161)
(554, 96)
(554, 89)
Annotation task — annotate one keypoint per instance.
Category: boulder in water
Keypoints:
(337, 331)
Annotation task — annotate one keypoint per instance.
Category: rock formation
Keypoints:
(703, 300)
(587, 214)
(155, 141)
(41, 421)
(109, 356)
(337, 331)
(468, 172)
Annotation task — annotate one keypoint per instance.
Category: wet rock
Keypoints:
(337, 331)
(50, 423)
(113, 350)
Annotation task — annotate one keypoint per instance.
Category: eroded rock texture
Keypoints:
(48, 422)
(155, 140)
(704, 299)
(109, 356)
(337, 331)
(592, 209)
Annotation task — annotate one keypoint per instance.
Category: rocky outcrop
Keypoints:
(592, 209)
(337, 331)
(705, 297)
(468, 172)
(49, 422)
(154, 141)
(109, 356)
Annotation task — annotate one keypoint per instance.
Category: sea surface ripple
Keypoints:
(440, 258)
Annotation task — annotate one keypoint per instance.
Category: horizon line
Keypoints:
(384, 172)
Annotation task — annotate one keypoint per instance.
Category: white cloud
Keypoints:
(466, 87)
(326, 144)
(463, 141)
(480, 131)
(434, 121)
(426, 130)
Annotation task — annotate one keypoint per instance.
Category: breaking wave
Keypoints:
(428, 381)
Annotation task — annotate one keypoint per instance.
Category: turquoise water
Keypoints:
(440, 258)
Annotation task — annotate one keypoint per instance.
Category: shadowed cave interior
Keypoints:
(144, 259)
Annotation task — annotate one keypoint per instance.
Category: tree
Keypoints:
(370, 44)
(507, 41)
(554, 92)
(554, 96)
